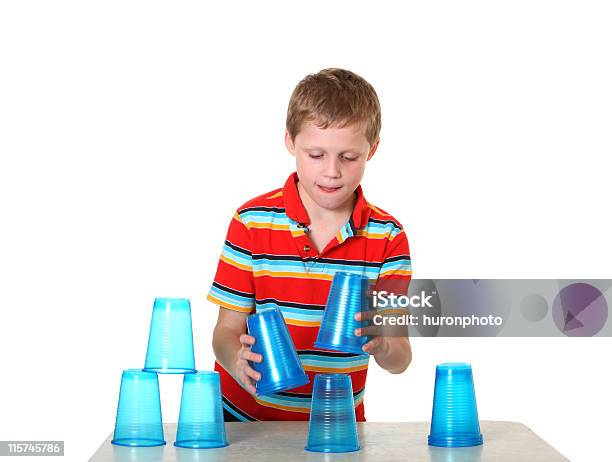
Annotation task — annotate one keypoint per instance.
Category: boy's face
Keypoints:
(330, 163)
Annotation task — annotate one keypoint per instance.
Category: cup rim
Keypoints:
(201, 375)
(169, 370)
(454, 366)
(265, 310)
(287, 384)
(451, 440)
(349, 273)
(355, 349)
(197, 444)
(323, 448)
(138, 442)
(171, 299)
(335, 376)
(141, 371)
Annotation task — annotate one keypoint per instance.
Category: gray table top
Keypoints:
(405, 441)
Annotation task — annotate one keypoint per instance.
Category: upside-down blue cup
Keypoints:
(332, 427)
(201, 423)
(170, 348)
(281, 368)
(454, 417)
(139, 419)
(347, 296)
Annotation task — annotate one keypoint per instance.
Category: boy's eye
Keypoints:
(349, 158)
(315, 155)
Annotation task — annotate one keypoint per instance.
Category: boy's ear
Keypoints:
(289, 143)
(373, 149)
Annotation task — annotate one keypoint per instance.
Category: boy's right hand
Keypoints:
(242, 369)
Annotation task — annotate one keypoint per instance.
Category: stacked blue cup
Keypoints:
(332, 427)
(201, 423)
(139, 419)
(281, 368)
(170, 348)
(347, 296)
(454, 419)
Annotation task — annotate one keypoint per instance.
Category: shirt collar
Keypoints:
(294, 208)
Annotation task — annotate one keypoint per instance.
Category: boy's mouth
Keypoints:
(328, 190)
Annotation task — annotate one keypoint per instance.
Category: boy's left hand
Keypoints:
(377, 345)
(380, 336)
(390, 346)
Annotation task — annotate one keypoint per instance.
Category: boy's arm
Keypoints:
(232, 347)
(392, 351)
(233, 290)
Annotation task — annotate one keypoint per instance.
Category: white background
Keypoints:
(129, 132)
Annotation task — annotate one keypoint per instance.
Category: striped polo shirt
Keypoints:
(269, 261)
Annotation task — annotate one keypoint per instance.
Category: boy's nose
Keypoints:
(331, 168)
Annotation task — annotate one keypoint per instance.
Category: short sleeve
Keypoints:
(396, 269)
(233, 286)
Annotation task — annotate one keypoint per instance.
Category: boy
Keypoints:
(283, 248)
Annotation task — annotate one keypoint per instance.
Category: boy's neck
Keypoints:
(318, 214)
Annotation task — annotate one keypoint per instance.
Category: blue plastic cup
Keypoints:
(347, 296)
(170, 348)
(332, 427)
(454, 417)
(201, 423)
(139, 419)
(281, 368)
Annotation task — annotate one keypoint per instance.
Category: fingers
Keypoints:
(252, 373)
(365, 315)
(372, 346)
(367, 328)
(383, 326)
(247, 382)
(248, 355)
(371, 331)
(248, 377)
(246, 339)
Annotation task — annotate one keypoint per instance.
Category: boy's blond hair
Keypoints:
(334, 98)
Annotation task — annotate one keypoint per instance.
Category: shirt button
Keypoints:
(306, 248)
